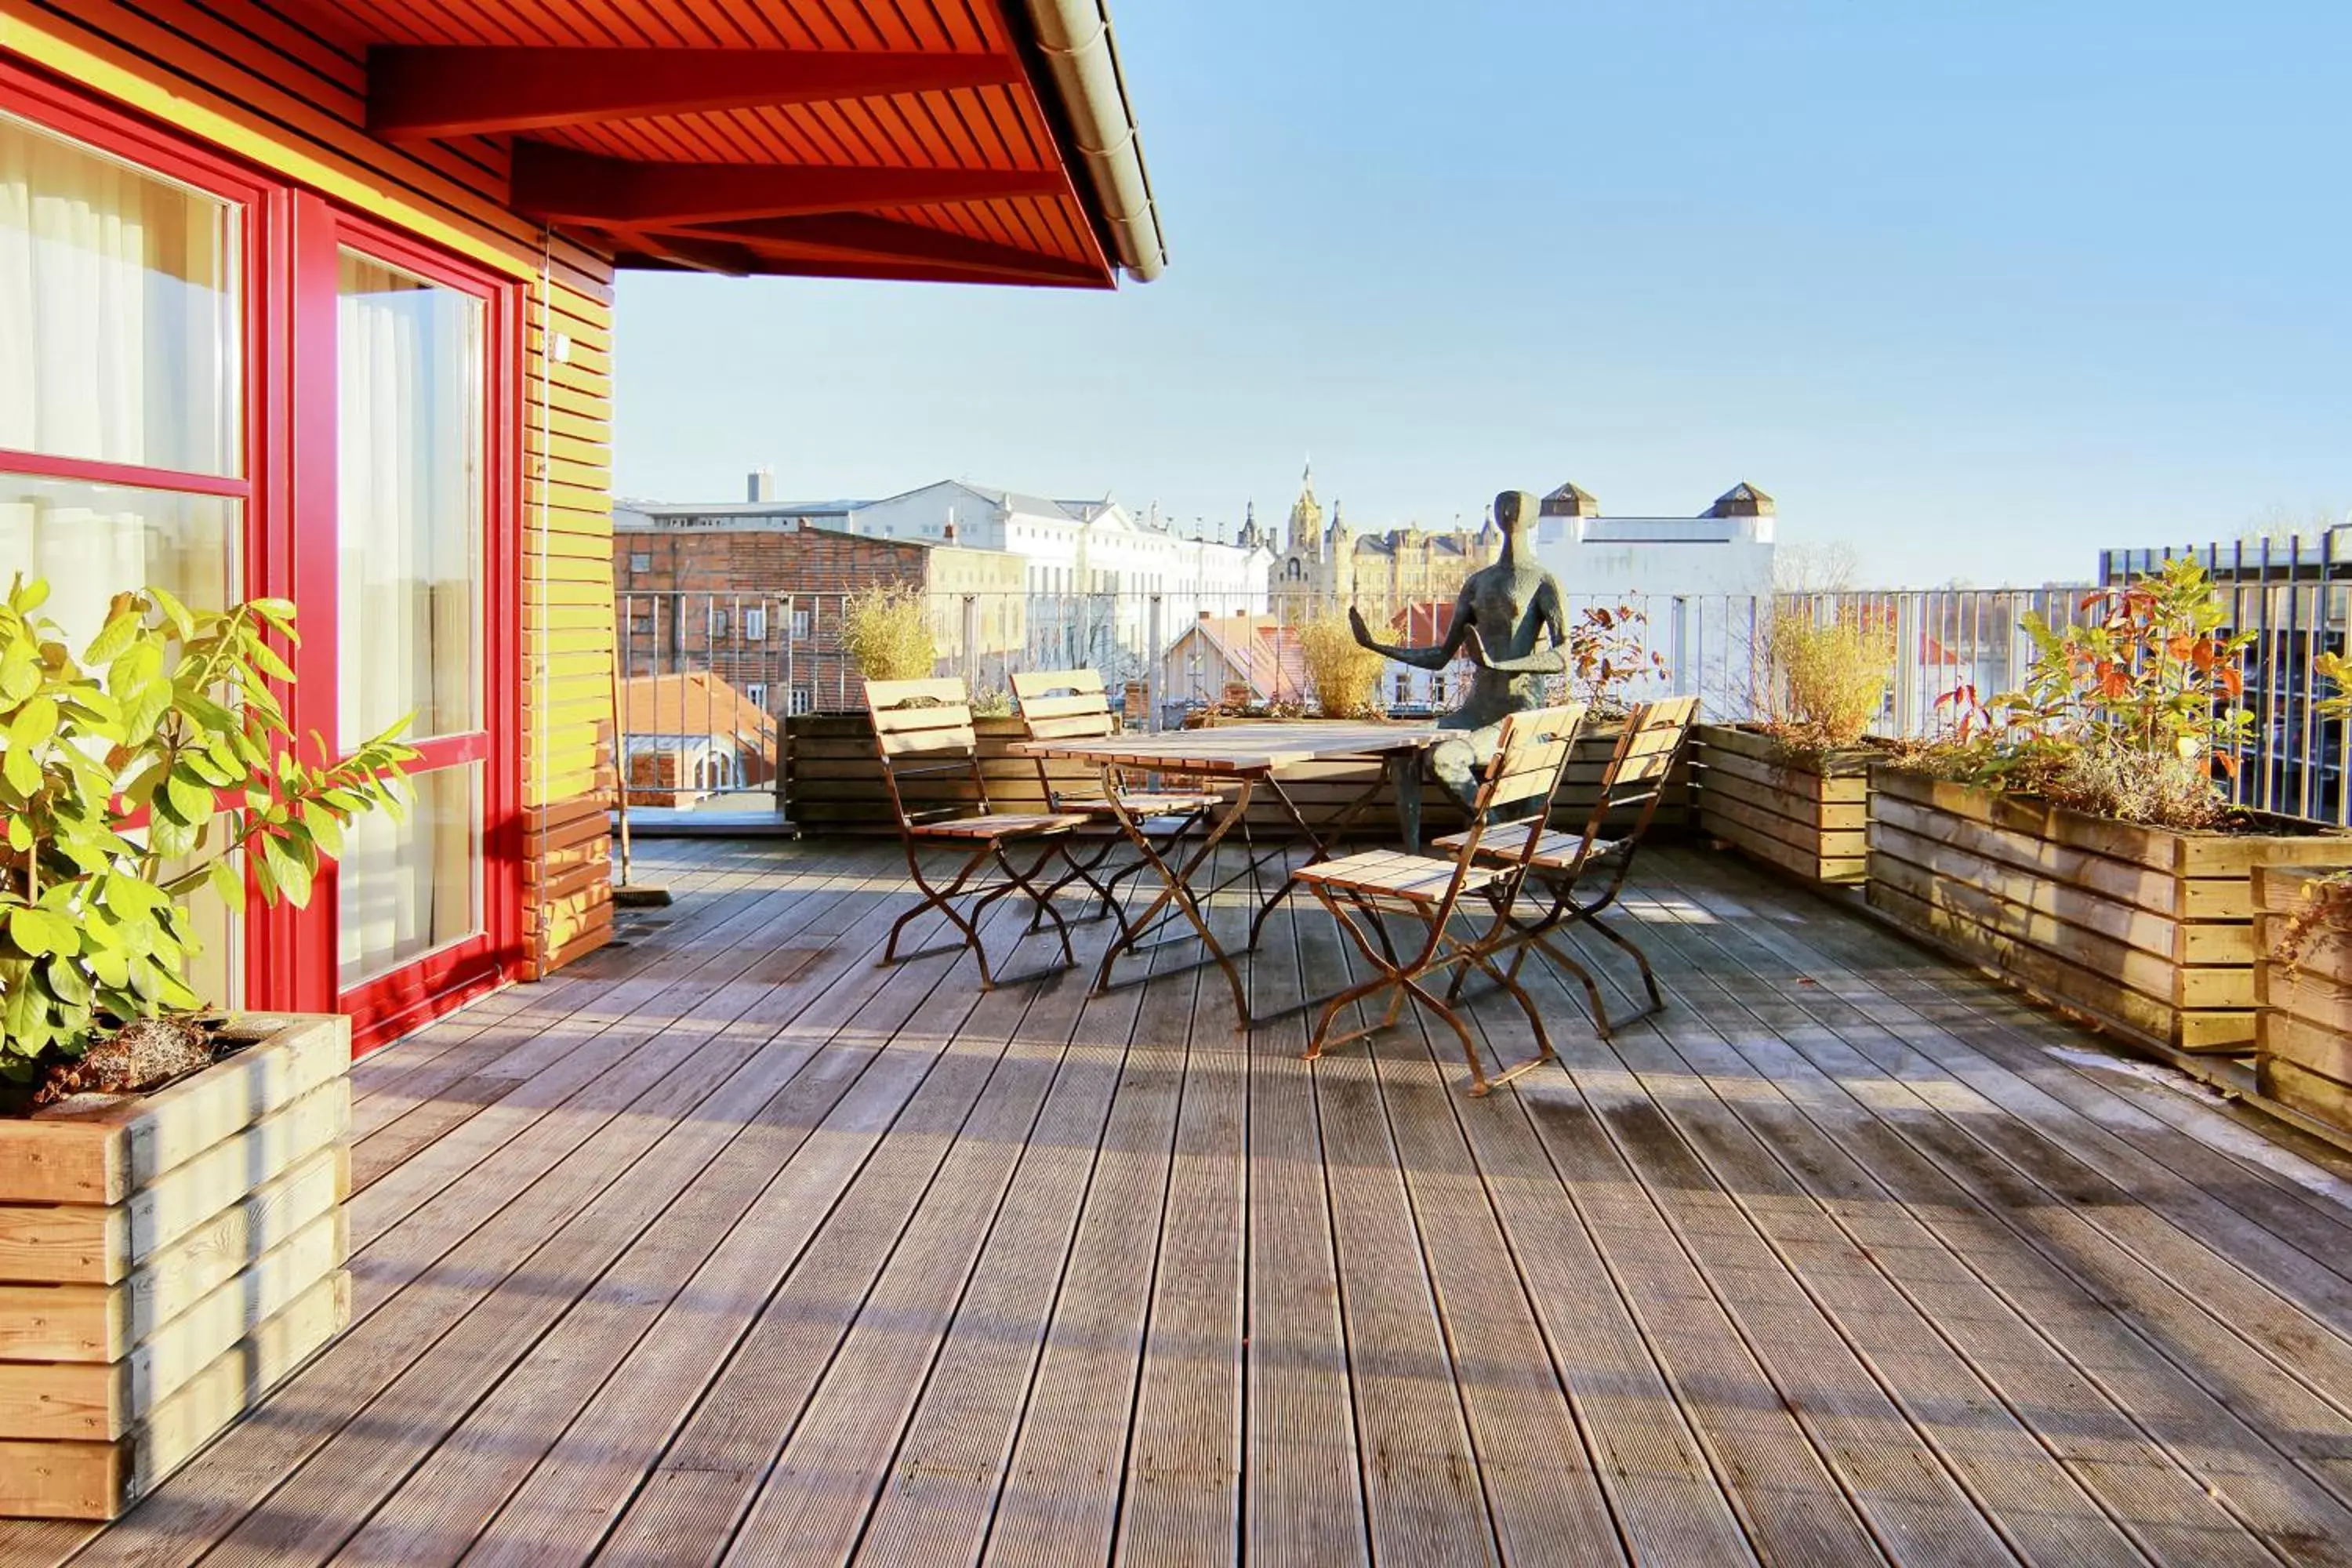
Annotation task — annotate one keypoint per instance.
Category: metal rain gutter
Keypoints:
(1075, 37)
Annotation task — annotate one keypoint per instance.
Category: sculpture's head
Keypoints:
(1512, 510)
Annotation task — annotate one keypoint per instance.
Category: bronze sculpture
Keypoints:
(1510, 622)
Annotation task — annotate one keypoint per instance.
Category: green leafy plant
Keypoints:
(1825, 679)
(1607, 647)
(887, 632)
(157, 763)
(2128, 711)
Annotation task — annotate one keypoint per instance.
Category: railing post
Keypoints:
(1154, 645)
(1907, 665)
(971, 640)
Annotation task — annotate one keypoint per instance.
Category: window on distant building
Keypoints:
(640, 561)
(800, 625)
(796, 701)
(756, 694)
(1403, 689)
(755, 623)
(718, 623)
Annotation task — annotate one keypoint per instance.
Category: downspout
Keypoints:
(1075, 37)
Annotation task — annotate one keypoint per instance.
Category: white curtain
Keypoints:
(409, 483)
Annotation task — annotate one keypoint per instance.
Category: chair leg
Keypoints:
(933, 898)
(1641, 960)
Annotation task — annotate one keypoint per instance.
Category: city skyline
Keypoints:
(1980, 292)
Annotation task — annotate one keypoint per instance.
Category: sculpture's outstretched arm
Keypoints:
(1415, 658)
(1550, 656)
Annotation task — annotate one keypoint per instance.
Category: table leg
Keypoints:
(1176, 890)
(1404, 774)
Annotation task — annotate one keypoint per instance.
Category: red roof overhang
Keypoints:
(828, 138)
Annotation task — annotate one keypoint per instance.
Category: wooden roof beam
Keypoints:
(859, 236)
(559, 184)
(418, 92)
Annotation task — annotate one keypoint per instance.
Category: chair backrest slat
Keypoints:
(1529, 761)
(1635, 781)
(923, 730)
(1062, 705)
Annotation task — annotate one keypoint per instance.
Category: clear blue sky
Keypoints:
(1977, 285)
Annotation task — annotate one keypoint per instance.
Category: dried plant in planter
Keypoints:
(1607, 647)
(1825, 679)
(2327, 900)
(1344, 675)
(156, 763)
(886, 630)
(2126, 713)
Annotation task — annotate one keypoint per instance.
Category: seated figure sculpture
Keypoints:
(1510, 623)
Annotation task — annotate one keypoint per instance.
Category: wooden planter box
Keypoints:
(2302, 1034)
(833, 782)
(164, 1260)
(2145, 930)
(1812, 817)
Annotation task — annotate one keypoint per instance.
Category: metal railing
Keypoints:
(708, 680)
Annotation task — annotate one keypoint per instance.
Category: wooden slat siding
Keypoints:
(2037, 1184)
(2063, 917)
(2303, 1042)
(575, 1204)
(1423, 1494)
(252, 77)
(1810, 816)
(1953, 1412)
(437, 1513)
(1887, 1202)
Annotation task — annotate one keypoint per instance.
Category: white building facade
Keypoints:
(1725, 551)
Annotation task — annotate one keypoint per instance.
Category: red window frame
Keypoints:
(288, 240)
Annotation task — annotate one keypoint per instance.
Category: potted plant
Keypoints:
(2074, 837)
(171, 1181)
(2302, 974)
(1608, 649)
(1792, 789)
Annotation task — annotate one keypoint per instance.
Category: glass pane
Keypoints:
(119, 329)
(407, 889)
(92, 542)
(409, 503)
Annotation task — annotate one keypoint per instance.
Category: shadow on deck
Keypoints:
(729, 1243)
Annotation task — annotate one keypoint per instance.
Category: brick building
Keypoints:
(757, 599)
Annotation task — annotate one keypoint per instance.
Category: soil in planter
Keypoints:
(145, 1055)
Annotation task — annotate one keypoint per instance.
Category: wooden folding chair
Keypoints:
(1561, 863)
(1074, 705)
(1361, 890)
(922, 730)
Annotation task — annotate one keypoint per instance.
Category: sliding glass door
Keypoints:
(413, 572)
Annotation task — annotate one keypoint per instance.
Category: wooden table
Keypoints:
(1249, 754)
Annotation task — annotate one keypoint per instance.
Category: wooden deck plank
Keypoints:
(1826, 1143)
(582, 1482)
(1422, 1489)
(698, 1252)
(1185, 1458)
(2036, 1506)
(951, 1458)
(2247, 1464)
(1075, 1426)
(707, 1473)
(1303, 1500)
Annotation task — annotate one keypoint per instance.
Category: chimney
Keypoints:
(761, 485)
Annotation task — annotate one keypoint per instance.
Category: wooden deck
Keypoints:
(731, 1245)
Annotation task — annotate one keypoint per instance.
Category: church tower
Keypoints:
(1307, 518)
(1339, 573)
